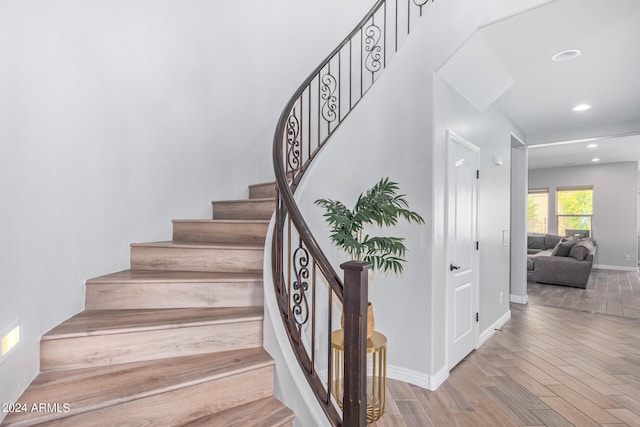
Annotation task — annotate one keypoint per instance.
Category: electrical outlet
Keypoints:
(627, 258)
(501, 297)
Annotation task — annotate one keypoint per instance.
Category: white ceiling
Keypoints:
(608, 150)
(508, 65)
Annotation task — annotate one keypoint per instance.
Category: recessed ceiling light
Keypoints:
(592, 145)
(595, 159)
(581, 107)
(566, 55)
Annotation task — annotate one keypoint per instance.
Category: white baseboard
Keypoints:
(439, 378)
(432, 382)
(519, 299)
(488, 333)
(429, 382)
(615, 267)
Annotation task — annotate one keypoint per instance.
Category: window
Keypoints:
(574, 210)
(538, 210)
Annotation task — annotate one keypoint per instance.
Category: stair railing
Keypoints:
(300, 269)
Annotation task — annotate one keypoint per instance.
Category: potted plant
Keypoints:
(380, 206)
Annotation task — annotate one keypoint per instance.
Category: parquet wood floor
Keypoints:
(547, 367)
(609, 292)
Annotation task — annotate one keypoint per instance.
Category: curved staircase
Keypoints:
(174, 341)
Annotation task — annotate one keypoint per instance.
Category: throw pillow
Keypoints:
(581, 250)
(535, 242)
(563, 248)
(551, 240)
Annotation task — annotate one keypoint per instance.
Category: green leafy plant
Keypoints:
(381, 205)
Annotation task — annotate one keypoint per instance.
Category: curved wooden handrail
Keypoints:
(387, 18)
(286, 192)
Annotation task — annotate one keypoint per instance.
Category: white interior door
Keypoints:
(462, 253)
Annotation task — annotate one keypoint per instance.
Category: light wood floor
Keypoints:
(609, 292)
(547, 367)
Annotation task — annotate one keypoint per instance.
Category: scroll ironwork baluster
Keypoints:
(372, 47)
(327, 94)
(300, 286)
(293, 141)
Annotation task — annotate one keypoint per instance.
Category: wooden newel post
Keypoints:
(355, 343)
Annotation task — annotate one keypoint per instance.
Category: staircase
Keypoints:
(174, 341)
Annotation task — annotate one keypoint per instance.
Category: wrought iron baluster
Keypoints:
(319, 114)
(293, 142)
(351, 76)
(339, 85)
(373, 49)
(408, 16)
(384, 41)
(309, 118)
(329, 328)
(313, 318)
(300, 286)
(327, 94)
(289, 266)
(396, 28)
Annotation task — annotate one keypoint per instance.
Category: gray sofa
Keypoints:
(559, 260)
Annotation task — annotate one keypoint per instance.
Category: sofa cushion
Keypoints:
(551, 241)
(531, 261)
(535, 241)
(581, 249)
(563, 247)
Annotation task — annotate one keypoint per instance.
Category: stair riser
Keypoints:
(196, 259)
(173, 295)
(262, 191)
(224, 232)
(284, 423)
(100, 350)
(268, 412)
(243, 210)
(176, 407)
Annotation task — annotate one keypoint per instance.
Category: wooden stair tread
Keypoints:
(267, 412)
(89, 389)
(164, 276)
(225, 221)
(260, 184)
(103, 322)
(247, 201)
(197, 245)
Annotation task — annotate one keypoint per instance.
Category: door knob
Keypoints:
(453, 267)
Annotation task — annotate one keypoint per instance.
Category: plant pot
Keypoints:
(370, 320)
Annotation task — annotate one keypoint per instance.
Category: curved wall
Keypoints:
(118, 116)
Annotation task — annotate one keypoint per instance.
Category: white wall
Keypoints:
(398, 131)
(491, 131)
(117, 116)
(615, 190)
(519, 161)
